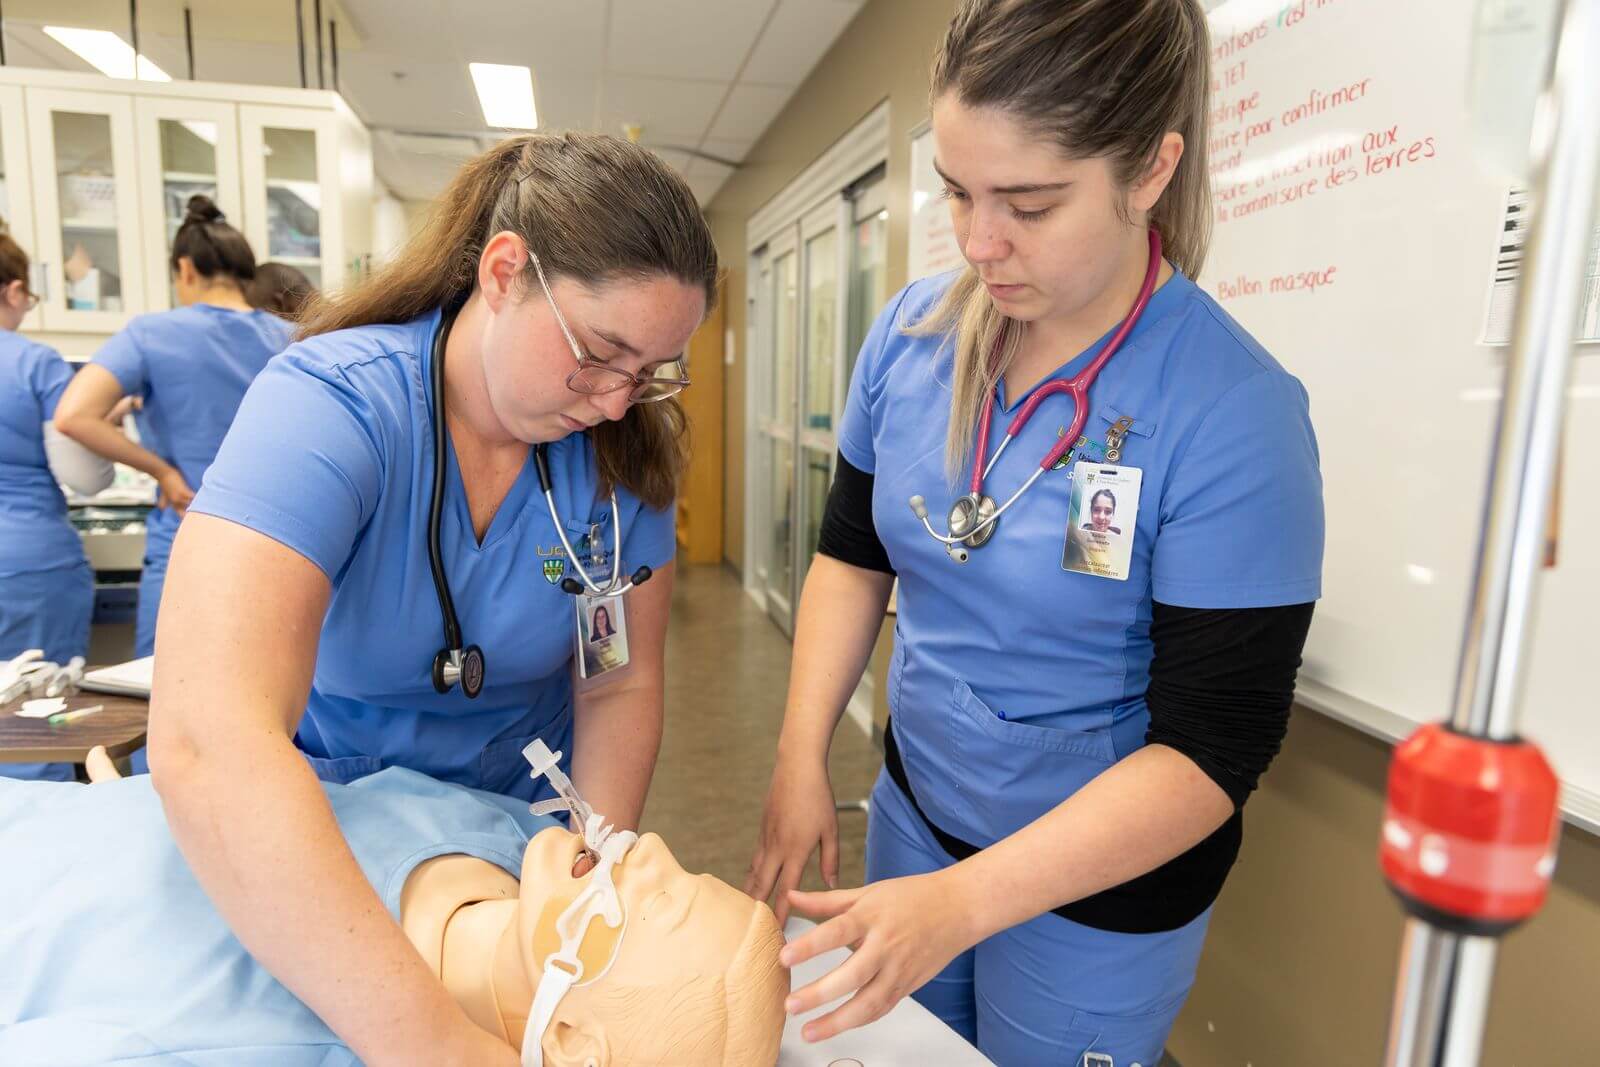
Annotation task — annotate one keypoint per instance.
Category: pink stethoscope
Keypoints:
(973, 517)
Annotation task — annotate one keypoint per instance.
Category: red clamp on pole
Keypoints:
(1469, 830)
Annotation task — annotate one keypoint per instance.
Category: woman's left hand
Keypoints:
(904, 931)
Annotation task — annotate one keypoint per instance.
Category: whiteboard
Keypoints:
(1357, 238)
(931, 247)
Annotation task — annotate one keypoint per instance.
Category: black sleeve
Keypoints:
(1221, 683)
(848, 534)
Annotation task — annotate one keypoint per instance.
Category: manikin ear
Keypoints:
(568, 1043)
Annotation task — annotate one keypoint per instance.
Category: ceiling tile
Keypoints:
(684, 38)
(749, 111)
(800, 33)
(670, 111)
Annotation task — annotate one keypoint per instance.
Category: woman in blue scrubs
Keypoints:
(46, 585)
(1070, 744)
(189, 368)
(558, 280)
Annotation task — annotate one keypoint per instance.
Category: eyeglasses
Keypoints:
(596, 377)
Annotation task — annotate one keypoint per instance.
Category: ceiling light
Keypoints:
(505, 93)
(106, 52)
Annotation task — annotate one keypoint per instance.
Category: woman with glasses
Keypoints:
(46, 586)
(558, 280)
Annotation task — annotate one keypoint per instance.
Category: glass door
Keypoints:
(290, 173)
(86, 212)
(185, 147)
(778, 437)
(822, 342)
(16, 189)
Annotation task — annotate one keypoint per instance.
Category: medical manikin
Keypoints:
(118, 956)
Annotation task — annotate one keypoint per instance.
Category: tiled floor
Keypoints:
(727, 674)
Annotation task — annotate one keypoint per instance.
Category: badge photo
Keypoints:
(602, 635)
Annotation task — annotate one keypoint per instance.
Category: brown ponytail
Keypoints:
(595, 209)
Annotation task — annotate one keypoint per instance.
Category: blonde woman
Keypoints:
(1061, 800)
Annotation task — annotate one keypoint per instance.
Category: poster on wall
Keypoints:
(931, 248)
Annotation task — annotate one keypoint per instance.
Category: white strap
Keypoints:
(552, 987)
(599, 898)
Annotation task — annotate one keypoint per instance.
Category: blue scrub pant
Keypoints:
(49, 610)
(161, 527)
(1048, 990)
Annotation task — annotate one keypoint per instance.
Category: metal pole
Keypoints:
(316, 18)
(300, 37)
(188, 38)
(2, 37)
(333, 50)
(133, 32)
(1445, 977)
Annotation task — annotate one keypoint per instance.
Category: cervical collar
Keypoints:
(599, 899)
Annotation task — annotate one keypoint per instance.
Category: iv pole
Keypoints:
(1471, 821)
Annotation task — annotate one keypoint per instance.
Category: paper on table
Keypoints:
(42, 708)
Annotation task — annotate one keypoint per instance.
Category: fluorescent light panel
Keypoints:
(505, 93)
(106, 52)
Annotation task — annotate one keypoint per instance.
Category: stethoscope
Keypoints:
(973, 517)
(455, 663)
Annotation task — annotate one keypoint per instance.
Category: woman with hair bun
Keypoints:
(189, 367)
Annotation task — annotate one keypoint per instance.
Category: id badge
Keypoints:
(602, 635)
(1101, 520)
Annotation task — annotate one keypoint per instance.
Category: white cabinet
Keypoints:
(85, 209)
(185, 147)
(95, 173)
(291, 182)
(16, 185)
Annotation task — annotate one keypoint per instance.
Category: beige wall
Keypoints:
(1300, 964)
(882, 55)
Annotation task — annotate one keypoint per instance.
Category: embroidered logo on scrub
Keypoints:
(553, 569)
(1083, 448)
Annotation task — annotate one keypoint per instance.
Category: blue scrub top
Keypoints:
(332, 455)
(191, 367)
(34, 532)
(114, 954)
(1014, 682)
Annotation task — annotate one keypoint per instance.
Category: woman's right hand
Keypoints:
(175, 492)
(798, 818)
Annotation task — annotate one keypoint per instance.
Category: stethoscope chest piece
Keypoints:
(972, 512)
(464, 666)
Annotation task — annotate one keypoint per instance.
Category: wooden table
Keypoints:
(120, 728)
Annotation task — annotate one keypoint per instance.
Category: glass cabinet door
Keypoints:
(778, 429)
(291, 190)
(16, 190)
(86, 217)
(185, 147)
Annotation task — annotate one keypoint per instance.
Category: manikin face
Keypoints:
(662, 979)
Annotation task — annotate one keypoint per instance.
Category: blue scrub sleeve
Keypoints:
(122, 356)
(304, 460)
(866, 385)
(652, 538)
(1241, 517)
(48, 378)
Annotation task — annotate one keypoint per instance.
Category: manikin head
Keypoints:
(692, 976)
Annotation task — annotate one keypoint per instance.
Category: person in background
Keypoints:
(280, 289)
(190, 368)
(46, 585)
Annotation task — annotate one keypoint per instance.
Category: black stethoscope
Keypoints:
(456, 663)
